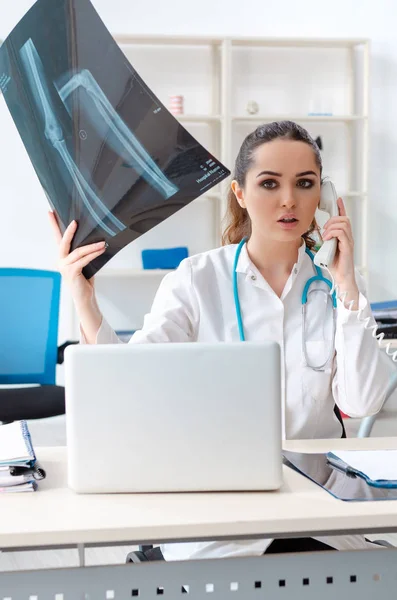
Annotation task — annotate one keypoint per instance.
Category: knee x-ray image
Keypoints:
(106, 151)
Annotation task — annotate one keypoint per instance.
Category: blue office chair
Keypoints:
(29, 312)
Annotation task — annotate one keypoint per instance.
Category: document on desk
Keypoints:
(374, 465)
(342, 483)
(19, 471)
(15, 444)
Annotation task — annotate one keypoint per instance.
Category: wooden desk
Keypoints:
(57, 516)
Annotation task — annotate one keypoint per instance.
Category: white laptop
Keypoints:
(173, 417)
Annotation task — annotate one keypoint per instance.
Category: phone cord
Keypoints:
(365, 321)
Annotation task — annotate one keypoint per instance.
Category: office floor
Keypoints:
(51, 432)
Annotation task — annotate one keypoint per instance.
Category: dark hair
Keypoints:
(239, 222)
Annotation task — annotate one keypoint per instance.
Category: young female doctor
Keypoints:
(251, 288)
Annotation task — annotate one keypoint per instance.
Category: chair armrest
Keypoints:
(61, 351)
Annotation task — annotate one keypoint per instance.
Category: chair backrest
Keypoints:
(29, 314)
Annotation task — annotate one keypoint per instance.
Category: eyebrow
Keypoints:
(280, 175)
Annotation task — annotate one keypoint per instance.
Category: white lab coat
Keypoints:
(195, 303)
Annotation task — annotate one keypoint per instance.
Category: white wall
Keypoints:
(25, 238)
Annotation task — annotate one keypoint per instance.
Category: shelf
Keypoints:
(209, 196)
(172, 40)
(293, 42)
(141, 273)
(299, 42)
(198, 118)
(325, 118)
(354, 194)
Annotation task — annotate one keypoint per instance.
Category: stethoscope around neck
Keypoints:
(319, 277)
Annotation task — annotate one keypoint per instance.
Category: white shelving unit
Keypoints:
(147, 273)
(322, 84)
(212, 74)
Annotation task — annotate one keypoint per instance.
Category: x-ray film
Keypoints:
(107, 152)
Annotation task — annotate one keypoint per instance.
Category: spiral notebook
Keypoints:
(16, 445)
(19, 471)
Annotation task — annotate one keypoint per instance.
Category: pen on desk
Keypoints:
(338, 467)
(36, 471)
(18, 470)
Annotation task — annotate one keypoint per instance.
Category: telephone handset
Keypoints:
(328, 203)
(325, 257)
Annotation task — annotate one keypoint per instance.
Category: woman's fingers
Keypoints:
(342, 218)
(72, 263)
(339, 223)
(85, 260)
(341, 234)
(66, 241)
(81, 252)
(332, 220)
(341, 206)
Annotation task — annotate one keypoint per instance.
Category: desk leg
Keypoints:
(81, 551)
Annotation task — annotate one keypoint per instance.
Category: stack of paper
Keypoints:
(19, 471)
